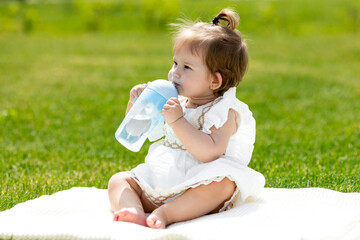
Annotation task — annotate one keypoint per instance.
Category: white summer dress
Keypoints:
(169, 170)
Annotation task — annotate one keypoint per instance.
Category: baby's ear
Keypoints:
(216, 81)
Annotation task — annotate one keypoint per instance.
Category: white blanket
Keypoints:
(84, 213)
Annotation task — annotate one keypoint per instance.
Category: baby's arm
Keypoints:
(204, 147)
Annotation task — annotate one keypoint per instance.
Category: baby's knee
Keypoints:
(122, 179)
(227, 187)
(117, 180)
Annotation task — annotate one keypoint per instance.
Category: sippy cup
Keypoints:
(145, 114)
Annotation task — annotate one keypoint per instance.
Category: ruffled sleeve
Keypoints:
(241, 144)
(216, 113)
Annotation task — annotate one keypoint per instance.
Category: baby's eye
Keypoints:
(175, 63)
(187, 67)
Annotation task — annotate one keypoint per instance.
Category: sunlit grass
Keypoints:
(63, 97)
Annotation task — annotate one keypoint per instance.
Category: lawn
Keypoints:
(62, 97)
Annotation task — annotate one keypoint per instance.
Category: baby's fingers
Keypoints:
(163, 111)
(172, 101)
(166, 107)
(175, 100)
(137, 90)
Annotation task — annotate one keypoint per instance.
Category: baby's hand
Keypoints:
(137, 90)
(172, 110)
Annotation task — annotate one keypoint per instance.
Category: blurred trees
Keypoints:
(296, 17)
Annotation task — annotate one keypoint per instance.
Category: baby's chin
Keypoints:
(179, 89)
(181, 92)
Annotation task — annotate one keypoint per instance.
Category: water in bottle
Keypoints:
(145, 114)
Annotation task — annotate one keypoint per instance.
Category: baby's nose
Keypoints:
(174, 69)
(174, 76)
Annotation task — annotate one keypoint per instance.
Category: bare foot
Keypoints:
(130, 215)
(157, 219)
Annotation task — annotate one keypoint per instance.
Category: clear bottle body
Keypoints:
(141, 120)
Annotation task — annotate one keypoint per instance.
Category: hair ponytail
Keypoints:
(229, 16)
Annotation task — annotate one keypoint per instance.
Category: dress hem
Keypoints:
(159, 196)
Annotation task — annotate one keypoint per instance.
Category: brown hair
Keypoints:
(222, 47)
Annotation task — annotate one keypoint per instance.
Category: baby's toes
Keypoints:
(116, 216)
(119, 215)
(154, 222)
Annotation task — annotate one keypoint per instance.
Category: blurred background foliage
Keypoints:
(78, 16)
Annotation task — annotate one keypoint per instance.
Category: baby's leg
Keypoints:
(124, 195)
(193, 203)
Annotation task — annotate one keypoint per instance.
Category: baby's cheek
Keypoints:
(170, 75)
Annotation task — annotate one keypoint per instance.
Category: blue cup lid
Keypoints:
(165, 88)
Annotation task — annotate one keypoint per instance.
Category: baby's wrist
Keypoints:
(176, 121)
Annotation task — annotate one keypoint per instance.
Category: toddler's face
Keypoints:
(190, 74)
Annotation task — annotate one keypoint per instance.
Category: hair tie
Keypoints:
(215, 20)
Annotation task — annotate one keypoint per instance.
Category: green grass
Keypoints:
(296, 17)
(63, 96)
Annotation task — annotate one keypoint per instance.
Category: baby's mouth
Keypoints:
(176, 85)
